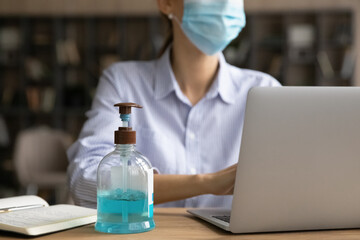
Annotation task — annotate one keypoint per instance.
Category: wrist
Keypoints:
(205, 185)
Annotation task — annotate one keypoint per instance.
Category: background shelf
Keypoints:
(50, 65)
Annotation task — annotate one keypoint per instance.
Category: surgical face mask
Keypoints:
(212, 24)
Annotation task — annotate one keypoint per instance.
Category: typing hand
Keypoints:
(221, 182)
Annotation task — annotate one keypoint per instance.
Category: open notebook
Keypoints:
(32, 215)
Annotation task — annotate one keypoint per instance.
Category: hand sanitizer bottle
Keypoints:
(125, 184)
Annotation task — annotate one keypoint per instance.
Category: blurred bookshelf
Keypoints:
(299, 48)
(50, 68)
(50, 65)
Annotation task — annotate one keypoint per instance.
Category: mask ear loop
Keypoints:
(172, 16)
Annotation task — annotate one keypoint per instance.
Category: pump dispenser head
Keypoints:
(125, 134)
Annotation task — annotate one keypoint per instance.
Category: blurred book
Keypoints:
(61, 53)
(75, 31)
(343, 33)
(74, 77)
(4, 136)
(35, 69)
(67, 52)
(301, 36)
(11, 93)
(107, 60)
(325, 64)
(72, 52)
(10, 39)
(106, 34)
(48, 99)
(40, 99)
(10, 42)
(113, 39)
(275, 66)
(301, 42)
(8, 96)
(33, 98)
(348, 65)
(42, 33)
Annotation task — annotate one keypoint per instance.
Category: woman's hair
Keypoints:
(169, 35)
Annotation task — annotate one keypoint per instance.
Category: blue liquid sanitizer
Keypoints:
(125, 184)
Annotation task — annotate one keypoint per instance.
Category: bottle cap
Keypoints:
(125, 108)
(125, 134)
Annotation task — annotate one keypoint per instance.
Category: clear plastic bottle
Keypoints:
(125, 186)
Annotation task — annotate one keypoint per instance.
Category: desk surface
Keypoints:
(176, 223)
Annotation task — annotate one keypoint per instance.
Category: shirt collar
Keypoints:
(223, 84)
(165, 81)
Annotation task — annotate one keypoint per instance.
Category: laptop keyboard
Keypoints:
(223, 218)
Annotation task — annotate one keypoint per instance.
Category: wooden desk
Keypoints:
(176, 223)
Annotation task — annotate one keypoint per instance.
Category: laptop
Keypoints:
(299, 162)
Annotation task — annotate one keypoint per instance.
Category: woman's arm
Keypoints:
(169, 188)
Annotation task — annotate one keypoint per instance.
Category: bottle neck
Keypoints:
(125, 147)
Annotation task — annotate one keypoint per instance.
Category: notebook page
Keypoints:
(21, 201)
(44, 215)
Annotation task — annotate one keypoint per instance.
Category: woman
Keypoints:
(191, 124)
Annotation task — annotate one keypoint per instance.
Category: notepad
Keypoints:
(32, 215)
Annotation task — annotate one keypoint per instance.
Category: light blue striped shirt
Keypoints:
(175, 136)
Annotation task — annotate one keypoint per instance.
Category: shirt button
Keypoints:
(193, 171)
(192, 135)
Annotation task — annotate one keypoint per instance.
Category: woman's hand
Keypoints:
(221, 182)
(176, 187)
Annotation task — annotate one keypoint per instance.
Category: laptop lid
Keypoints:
(299, 163)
